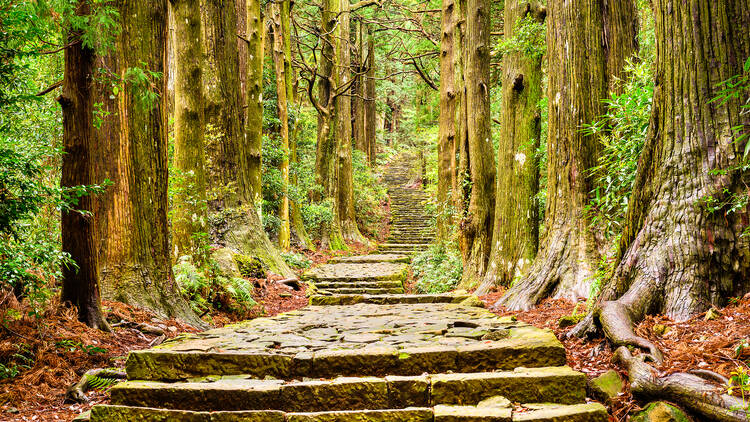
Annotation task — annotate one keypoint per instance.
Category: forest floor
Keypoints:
(51, 353)
(721, 344)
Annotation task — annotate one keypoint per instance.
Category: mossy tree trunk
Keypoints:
(516, 231)
(283, 110)
(358, 101)
(460, 159)
(677, 256)
(447, 122)
(475, 230)
(349, 229)
(370, 109)
(189, 210)
(254, 37)
(134, 258)
(326, 160)
(230, 172)
(578, 81)
(297, 222)
(80, 287)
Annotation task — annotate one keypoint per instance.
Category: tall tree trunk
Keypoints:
(78, 227)
(254, 98)
(298, 224)
(516, 232)
(283, 109)
(189, 211)
(134, 258)
(230, 174)
(578, 82)
(475, 231)
(370, 109)
(358, 129)
(349, 228)
(677, 257)
(460, 163)
(447, 122)
(326, 160)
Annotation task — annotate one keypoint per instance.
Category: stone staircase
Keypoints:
(362, 351)
(411, 231)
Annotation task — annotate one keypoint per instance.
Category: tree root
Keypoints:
(692, 392)
(94, 378)
(617, 322)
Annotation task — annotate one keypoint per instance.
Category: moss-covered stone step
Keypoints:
(531, 349)
(543, 413)
(355, 340)
(369, 259)
(401, 246)
(381, 284)
(366, 290)
(553, 385)
(357, 272)
(323, 300)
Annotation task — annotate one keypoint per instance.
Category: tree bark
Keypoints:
(578, 82)
(460, 160)
(447, 123)
(349, 229)
(230, 172)
(189, 209)
(677, 257)
(360, 93)
(326, 160)
(80, 286)
(298, 224)
(516, 231)
(283, 110)
(254, 98)
(370, 109)
(475, 230)
(132, 230)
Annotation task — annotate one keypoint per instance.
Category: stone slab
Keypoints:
(361, 339)
(368, 259)
(523, 385)
(357, 272)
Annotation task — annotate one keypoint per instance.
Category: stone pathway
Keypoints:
(362, 351)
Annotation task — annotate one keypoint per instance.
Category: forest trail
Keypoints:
(362, 351)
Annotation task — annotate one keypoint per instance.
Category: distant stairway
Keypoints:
(411, 231)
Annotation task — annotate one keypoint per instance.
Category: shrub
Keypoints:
(438, 269)
(296, 260)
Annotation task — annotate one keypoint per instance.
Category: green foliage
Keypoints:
(250, 266)
(622, 132)
(206, 290)
(529, 38)
(296, 260)
(438, 269)
(21, 360)
(74, 346)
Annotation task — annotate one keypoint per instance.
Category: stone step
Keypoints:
(365, 290)
(357, 272)
(592, 412)
(370, 259)
(323, 300)
(385, 284)
(354, 340)
(560, 385)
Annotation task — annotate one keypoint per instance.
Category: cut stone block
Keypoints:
(472, 414)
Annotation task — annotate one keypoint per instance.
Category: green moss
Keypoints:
(250, 266)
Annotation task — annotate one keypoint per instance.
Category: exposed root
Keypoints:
(617, 322)
(692, 392)
(92, 379)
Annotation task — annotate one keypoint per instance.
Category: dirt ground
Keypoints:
(692, 344)
(53, 352)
